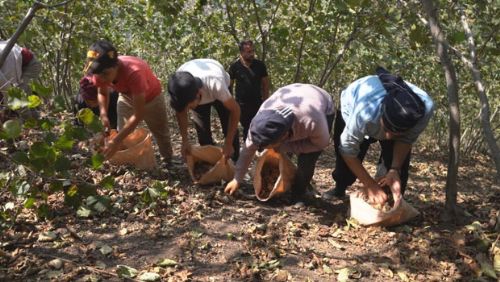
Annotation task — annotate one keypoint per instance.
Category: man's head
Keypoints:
(102, 61)
(270, 126)
(184, 90)
(88, 91)
(247, 51)
(401, 107)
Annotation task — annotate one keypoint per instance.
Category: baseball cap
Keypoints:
(269, 125)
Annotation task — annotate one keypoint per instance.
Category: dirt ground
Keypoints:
(201, 234)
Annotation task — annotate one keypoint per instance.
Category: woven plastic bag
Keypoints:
(367, 215)
(273, 174)
(221, 169)
(137, 150)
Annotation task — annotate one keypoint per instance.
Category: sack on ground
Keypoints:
(206, 165)
(366, 214)
(137, 150)
(273, 174)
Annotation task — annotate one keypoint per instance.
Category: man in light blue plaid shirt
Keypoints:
(381, 108)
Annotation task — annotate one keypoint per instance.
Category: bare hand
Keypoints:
(110, 149)
(105, 122)
(375, 194)
(232, 187)
(392, 180)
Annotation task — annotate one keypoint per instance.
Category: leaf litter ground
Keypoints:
(201, 234)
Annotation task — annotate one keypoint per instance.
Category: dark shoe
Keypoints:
(333, 193)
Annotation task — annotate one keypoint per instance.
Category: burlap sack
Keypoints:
(221, 170)
(137, 150)
(367, 215)
(270, 159)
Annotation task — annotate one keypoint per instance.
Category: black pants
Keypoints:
(248, 112)
(201, 118)
(306, 163)
(344, 177)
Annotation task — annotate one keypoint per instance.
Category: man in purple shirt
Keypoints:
(297, 118)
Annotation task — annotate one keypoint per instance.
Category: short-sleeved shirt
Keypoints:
(310, 105)
(134, 77)
(214, 77)
(361, 107)
(248, 88)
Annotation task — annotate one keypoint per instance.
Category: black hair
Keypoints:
(242, 44)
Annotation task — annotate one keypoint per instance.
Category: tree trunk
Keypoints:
(451, 208)
(298, 69)
(485, 107)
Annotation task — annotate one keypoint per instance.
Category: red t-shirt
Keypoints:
(134, 77)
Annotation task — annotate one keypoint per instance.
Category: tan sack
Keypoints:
(220, 170)
(273, 174)
(137, 150)
(366, 214)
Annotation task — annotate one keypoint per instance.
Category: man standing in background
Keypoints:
(252, 83)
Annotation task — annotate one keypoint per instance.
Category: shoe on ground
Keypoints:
(333, 193)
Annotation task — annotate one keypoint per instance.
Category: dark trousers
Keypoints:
(248, 112)
(201, 118)
(306, 163)
(342, 174)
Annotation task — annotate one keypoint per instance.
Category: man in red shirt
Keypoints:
(140, 95)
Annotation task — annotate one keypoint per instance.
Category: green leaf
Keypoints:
(41, 90)
(343, 274)
(22, 189)
(65, 142)
(457, 37)
(34, 101)
(83, 211)
(29, 202)
(43, 211)
(149, 276)
(98, 203)
(86, 116)
(97, 160)
(166, 263)
(107, 182)
(59, 104)
(486, 266)
(20, 158)
(124, 271)
(62, 163)
(39, 150)
(12, 128)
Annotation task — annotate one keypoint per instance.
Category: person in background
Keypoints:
(140, 96)
(251, 82)
(19, 69)
(381, 108)
(87, 98)
(297, 118)
(199, 85)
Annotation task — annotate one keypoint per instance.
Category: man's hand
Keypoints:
(232, 187)
(227, 150)
(105, 123)
(185, 149)
(375, 194)
(392, 180)
(110, 149)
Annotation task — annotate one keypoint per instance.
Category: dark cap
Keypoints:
(401, 107)
(268, 126)
(182, 87)
(88, 90)
(100, 56)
